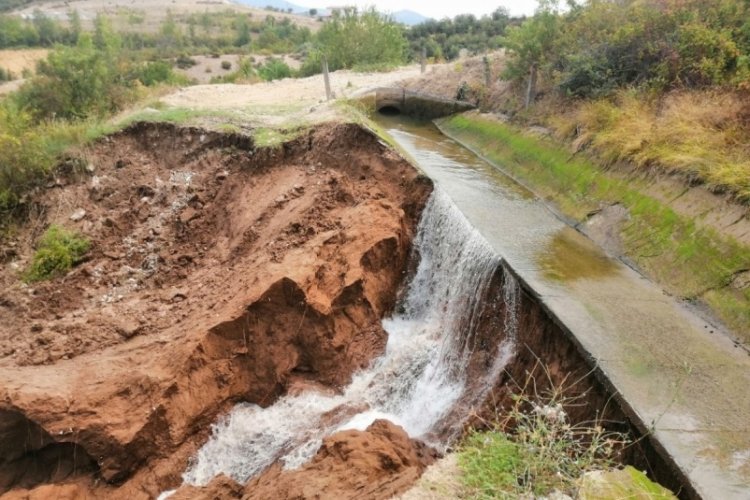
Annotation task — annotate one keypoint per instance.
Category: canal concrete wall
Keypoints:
(679, 380)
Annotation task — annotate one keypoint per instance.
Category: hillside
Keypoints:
(147, 15)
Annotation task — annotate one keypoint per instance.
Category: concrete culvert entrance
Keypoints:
(389, 111)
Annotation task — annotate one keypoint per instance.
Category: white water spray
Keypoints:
(417, 381)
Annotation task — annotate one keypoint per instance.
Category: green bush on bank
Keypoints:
(595, 48)
(74, 88)
(353, 38)
(58, 250)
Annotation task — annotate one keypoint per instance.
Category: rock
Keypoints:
(189, 214)
(220, 487)
(623, 483)
(176, 295)
(145, 191)
(379, 462)
(128, 327)
(78, 215)
(220, 176)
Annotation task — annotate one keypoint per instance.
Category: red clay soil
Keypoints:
(377, 463)
(218, 273)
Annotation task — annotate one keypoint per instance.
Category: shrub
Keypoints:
(75, 82)
(29, 151)
(185, 62)
(543, 452)
(155, 72)
(58, 250)
(226, 65)
(358, 38)
(274, 69)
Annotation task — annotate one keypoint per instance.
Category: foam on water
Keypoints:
(414, 384)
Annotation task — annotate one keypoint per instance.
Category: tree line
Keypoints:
(593, 48)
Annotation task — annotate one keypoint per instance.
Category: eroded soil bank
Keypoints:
(218, 272)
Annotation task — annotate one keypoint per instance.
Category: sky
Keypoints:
(435, 8)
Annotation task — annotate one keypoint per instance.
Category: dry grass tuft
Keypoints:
(701, 134)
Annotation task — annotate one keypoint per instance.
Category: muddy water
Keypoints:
(415, 384)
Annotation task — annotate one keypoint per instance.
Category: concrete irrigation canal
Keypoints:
(680, 384)
(327, 318)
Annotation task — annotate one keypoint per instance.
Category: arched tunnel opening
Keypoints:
(389, 111)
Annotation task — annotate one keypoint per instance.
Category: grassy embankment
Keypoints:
(690, 260)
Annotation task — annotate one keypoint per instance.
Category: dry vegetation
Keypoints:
(702, 134)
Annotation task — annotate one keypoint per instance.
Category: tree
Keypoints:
(74, 82)
(46, 28)
(242, 27)
(105, 39)
(74, 18)
(531, 45)
(351, 38)
(313, 12)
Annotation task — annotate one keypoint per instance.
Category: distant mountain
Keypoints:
(409, 17)
(282, 5)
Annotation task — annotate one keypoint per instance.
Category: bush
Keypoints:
(58, 250)
(352, 38)
(75, 82)
(274, 69)
(155, 72)
(5, 75)
(185, 62)
(226, 65)
(542, 453)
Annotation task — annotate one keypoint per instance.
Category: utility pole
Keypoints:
(423, 59)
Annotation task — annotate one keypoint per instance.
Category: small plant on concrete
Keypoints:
(58, 250)
(534, 449)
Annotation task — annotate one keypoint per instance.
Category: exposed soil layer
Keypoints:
(218, 272)
(377, 463)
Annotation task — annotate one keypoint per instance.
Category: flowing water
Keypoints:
(417, 381)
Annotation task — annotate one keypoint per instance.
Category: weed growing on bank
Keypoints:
(544, 452)
(58, 250)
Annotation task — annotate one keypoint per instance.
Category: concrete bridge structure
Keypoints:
(396, 100)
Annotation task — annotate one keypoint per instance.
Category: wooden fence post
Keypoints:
(326, 79)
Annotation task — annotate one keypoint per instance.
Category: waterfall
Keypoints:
(415, 383)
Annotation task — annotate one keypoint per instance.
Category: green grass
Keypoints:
(29, 152)
(691, 261)
(534, 449)
(490, 461)
(178, 116)
(270, 137)
(58, 250)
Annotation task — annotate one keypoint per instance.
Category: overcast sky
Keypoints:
(434, 8)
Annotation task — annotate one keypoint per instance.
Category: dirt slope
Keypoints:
(218, 272)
